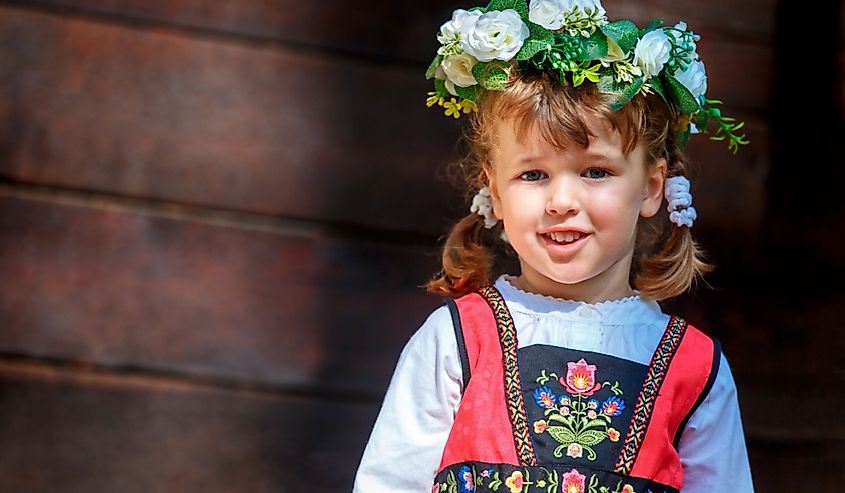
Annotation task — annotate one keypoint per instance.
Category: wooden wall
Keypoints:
(214, 216)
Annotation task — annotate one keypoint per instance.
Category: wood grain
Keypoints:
(130, 290)
(82, 432)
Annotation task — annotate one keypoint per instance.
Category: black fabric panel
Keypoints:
(459, 338)
(714, 370)
(627, 377)
(482, 477)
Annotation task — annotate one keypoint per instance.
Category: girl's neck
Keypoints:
(602, 288)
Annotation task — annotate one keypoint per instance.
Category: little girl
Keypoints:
(567, 377)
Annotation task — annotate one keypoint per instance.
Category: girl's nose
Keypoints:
(563, 197)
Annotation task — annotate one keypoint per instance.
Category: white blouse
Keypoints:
(404, 450)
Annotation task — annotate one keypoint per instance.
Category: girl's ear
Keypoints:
(653, 192)
(494, 192)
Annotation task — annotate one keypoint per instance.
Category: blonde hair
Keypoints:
(667, 261)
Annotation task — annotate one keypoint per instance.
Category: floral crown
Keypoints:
(572, 39)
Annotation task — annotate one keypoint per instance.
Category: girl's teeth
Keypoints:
(567, 237)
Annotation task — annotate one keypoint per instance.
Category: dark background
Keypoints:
(214, 216)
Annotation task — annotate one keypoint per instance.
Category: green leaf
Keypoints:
(440, 88)
(619, 93)
(591, 437)
(653, 25)
(562, 434)
(538, 39)
(656, 84)
(624, 33)
(701, 120)
(683, 98)
(560, 419)
(473, 93)
(520, 6)
(492, 75)
(429, 73)
(595, 423)
(593, 48)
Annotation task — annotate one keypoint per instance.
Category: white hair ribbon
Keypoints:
(681, 211)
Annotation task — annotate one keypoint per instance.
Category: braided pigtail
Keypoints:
(467, 260)
(673, 268)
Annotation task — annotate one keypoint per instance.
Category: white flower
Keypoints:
(440, 74)
(458, 69)
(452, 31)
(496, 35)
(547, 13)
(694, 78)
(652, 52)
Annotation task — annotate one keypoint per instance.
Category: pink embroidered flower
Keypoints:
(540, 426)
(628, 489)
(592, 414)
(574, 450)
(564, 411)
(515, 482)
(613, 434)
(580, 378)
(467, 479)
(573, 482)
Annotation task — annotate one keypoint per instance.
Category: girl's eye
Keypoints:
(533, 175)
(597, 173)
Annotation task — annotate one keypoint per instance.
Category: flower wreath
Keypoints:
(480, 47)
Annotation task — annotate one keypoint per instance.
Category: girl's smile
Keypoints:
(571, 214)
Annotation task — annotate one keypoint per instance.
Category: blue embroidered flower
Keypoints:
(544, 397)
(465, 480)
(564, 399)
(593, 404)
(613, 406)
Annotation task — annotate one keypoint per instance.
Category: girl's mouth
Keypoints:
(564, 237)
(564, 243)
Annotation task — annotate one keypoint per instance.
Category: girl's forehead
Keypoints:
(513, 137)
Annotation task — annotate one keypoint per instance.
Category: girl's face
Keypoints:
(571, 214)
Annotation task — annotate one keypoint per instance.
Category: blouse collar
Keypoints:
(630, 310)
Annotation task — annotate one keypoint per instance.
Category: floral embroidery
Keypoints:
(519, 481)
(613, 406)
(573, 482)
(466, 479)
(580, 378)
(577, 420)
(515, 482)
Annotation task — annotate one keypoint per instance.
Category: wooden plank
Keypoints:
(769, 331)
(78, 432)
(405, 31)
(132, 290)
(155, 114)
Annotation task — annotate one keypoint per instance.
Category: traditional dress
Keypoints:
(509, 391)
